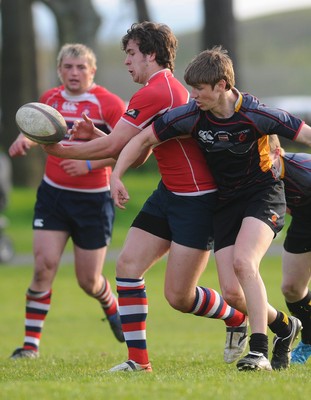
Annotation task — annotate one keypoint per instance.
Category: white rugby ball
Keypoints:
(41, 123)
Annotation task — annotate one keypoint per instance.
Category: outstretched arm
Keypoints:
(103, 147)
(128, 156)
(304, 136)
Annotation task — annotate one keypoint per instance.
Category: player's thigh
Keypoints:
(89, 264)
(140, 251)
(48, 247)
(185, 266)
(252, 242)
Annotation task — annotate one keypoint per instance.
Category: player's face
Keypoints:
(211, 99)
(205, 97)
(76, 74)
(137, 63)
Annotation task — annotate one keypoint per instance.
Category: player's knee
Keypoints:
(44, 270)
(244, 268)
(291, 291)
(88, 285)
(121, 267)
(178, 301)
(129, 267)
(232, 297)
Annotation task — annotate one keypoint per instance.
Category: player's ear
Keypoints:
(152, 56)
(221, 84)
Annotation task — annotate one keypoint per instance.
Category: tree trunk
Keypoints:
(77, 21)
(142, 10)
(220, 27)
(18, 82)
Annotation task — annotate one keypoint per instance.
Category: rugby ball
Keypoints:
(41, 123)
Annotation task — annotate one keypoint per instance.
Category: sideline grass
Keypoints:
(77, 349)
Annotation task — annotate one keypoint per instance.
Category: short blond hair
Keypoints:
(77, 50)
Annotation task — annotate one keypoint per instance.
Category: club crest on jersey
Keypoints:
(206, 136)
(132, 113)
(69, 107)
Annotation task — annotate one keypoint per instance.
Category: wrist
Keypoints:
(89, 165)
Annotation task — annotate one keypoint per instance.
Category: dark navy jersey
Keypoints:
(236, 148)
(296, 174)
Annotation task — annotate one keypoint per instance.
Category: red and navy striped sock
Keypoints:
(133, 309)
(107, 299)
(37, 307)
(210, 304)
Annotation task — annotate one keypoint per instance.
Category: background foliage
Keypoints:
(272, 58)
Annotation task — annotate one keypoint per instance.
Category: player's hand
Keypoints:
(74, 167)
(20, 146)
(54, 149)
(84, 129)
(118, 192)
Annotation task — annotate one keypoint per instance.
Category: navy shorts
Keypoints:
(266, 203)
(186, 220)
(87, 217)
(298, 235)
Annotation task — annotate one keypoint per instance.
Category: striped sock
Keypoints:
(107, 299)
(133, 308)
(37, 307)
(210, 304)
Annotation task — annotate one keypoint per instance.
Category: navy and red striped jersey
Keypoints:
(237, 148)
(296, 174)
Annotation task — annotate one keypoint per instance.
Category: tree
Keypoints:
(220, 27)
(18, 79)
(142, 10)
(77, 21)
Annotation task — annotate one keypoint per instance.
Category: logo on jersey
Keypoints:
(69, 107)
(223, 136)
(274, 217)
(38, 223)
(132, 113)
(206, 136)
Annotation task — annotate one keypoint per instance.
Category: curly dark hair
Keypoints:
(155, 38)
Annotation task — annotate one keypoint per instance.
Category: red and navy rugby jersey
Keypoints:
(105, 109)
(181, 164)
(236, 149)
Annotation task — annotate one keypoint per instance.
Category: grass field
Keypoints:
(77, 348)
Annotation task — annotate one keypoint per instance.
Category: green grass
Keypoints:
(77, 348)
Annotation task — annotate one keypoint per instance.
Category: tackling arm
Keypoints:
(132, 152)
(304, 136)
(108, 146)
